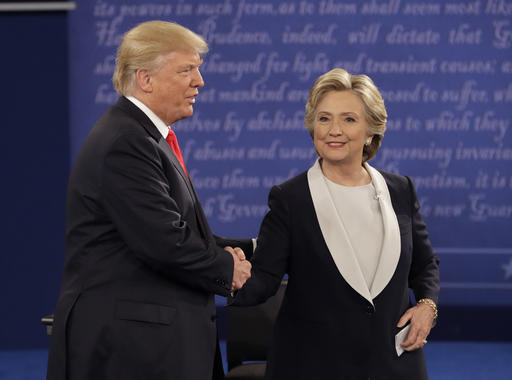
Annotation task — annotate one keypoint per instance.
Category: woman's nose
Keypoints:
(336, 129)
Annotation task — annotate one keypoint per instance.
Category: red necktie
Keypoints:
(173, 142)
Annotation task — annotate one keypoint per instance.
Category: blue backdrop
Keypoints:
(444, 69)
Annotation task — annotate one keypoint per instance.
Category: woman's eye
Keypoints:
(350, 119)
(323, 119)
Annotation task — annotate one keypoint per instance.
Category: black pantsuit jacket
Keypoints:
(142, 266)
(330, 325)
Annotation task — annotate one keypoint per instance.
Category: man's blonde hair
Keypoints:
(144, 47)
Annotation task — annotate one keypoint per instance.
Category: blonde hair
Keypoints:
(365, 89)
(144, 47)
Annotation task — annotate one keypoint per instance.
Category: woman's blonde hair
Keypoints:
(365, 89)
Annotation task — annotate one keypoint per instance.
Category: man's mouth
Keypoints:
(192, 99)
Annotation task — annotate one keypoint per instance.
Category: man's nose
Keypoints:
(198, 80)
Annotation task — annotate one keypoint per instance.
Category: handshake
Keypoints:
(241, 269)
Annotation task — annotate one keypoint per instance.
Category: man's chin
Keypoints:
(186, 114)
(189, 112)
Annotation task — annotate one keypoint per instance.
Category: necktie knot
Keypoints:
(173, 143)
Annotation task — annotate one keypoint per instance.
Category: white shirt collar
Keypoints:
(159, 124)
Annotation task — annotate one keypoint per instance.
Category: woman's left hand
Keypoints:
(421, 318)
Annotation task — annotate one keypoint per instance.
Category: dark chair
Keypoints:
(47, 320)
(248, 335)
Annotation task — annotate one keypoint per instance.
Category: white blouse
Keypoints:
(359, 211)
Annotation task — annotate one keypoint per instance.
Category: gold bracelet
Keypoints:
(429, 302)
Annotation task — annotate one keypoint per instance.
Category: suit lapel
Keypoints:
(391, 247)
(338, 243)
(203, 224)
(152, 130)
(334, 233)
(177, 165)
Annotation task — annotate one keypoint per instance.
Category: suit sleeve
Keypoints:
(270, 260)
(245, 244)
(424, 273)
(136, 196)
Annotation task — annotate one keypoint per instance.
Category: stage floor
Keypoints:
(445, 361)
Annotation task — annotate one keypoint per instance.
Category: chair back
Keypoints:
(249, 329)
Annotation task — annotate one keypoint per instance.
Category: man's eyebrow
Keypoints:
(190, 64)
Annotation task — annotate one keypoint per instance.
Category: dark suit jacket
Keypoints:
(325, 328)
(142, 266)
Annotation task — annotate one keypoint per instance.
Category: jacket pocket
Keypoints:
(144, 312)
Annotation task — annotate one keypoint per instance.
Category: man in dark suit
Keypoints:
(142, 266)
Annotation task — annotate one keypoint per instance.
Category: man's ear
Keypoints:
(143, 79)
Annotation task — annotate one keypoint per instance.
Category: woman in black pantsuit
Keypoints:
(353, 242)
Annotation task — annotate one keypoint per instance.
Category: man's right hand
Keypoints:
(241, 269)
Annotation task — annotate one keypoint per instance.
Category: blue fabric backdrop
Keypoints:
(444, 69)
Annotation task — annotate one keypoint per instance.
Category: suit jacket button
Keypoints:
(370, 310)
